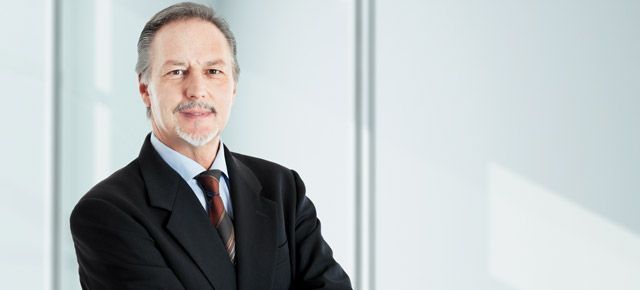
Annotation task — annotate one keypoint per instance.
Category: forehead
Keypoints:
(189, 40)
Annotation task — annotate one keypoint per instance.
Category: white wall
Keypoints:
(508, 138)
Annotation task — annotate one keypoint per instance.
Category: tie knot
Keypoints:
(209, 181)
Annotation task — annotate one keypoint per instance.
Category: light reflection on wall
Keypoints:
(540, 240)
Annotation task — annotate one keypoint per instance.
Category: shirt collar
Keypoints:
(185, 166)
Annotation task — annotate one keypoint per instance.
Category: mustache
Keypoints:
(194, 104)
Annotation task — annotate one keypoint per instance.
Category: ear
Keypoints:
(144, 92)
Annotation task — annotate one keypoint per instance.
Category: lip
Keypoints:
(196, 114)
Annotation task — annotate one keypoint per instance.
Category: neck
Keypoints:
(203, 155)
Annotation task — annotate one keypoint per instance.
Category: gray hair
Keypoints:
(180, 11)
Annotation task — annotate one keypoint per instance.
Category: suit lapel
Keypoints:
(188, 222)
(255, 226)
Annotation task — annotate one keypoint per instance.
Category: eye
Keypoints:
(213, 71)
(176, 72)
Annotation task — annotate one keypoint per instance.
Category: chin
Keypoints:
(197, 139)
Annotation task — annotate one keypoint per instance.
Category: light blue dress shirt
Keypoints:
(188, 169)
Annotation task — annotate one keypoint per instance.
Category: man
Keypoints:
(188, 213)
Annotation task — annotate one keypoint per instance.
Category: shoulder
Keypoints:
(119, 184)
(122, 190)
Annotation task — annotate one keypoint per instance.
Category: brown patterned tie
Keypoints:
(209, 182)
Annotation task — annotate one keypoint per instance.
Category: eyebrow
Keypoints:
(215, 62)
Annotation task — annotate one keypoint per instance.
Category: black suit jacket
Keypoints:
(143, 228)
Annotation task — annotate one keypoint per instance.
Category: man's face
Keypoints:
(190, 85)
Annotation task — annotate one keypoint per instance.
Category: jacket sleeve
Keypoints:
(114, 251)
(314, 267)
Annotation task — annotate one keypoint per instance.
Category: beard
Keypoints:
(196, 140)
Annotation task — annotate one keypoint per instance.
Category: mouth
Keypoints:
(196, 113)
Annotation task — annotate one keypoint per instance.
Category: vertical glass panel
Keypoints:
(508, 138)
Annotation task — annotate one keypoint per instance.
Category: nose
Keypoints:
(196, 86)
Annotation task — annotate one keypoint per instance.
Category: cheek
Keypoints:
(161, 102)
